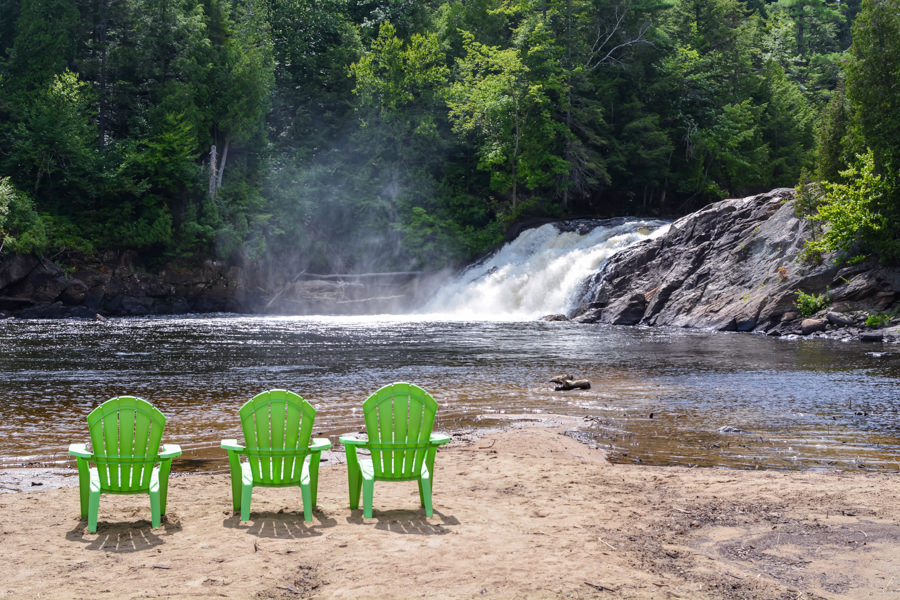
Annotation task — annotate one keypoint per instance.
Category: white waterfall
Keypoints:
(539, 273)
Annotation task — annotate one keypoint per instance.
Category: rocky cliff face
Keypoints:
(733, 266)
(118, 285)
(31, 287)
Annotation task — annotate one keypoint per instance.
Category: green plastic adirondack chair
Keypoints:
(125, 436)
(277, 426)
(399, 418)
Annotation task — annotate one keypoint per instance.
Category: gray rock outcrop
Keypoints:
(40, 288)
(118, 284)
(734, 266)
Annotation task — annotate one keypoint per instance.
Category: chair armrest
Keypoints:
(231, 444)
(352, 441)
(169, 451)
(319, 444)
(80, 450)
(439, 438)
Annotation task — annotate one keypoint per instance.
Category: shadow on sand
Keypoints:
(281, 524)
(413, 522)
(123, 537)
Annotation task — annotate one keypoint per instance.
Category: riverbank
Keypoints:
(523, 513)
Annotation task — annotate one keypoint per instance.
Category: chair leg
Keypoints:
(234, 463)
(155, 505)
(164, 469)
(425, 492)
(93, 509)
(84, 486)
(355, 482)
(354, 477)
(429, 465)
(314, 460)
(368, 486)
(307, 501)
(246, 494)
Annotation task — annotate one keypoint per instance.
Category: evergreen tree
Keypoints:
(872, 76)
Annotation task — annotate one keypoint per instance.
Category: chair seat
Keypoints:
(247, 477)
(367, 470)
(152, 488)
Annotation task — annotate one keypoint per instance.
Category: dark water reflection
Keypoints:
(658, 396)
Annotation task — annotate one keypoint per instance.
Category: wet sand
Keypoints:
(527, 512)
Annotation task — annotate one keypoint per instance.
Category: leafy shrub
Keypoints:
(809, 304)
(858, 214)
(22, 230)
(878, 320)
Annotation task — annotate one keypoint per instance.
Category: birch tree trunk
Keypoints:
(221, 168)
(216, 169)
(212, 171)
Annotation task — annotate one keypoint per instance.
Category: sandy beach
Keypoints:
(527, 512)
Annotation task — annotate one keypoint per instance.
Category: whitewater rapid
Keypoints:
(541, 272)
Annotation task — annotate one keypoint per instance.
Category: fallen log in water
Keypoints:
(567, 382)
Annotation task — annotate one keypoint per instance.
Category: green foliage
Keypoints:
(508, 115)
(878, 320)
(389, 134)
(872, 74)
(810, 304)
(7, 194)
(21, 229)
(787, 122)
(833, 140)
(808, 196)
(857, 215)
(812, 48)
(166, 158)
(392, 75)
(51, 152)
(44, 43)
(66, 236)
(861, 205)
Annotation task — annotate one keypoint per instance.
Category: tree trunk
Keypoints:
(212, 171)
(222, 165)
(103, 100)
(216, 169)
(515, 160)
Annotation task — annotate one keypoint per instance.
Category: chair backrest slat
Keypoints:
(277, 421)
(111, 446)
(399, 418)
(402, 407)
(125, 436)
(292, 435)
(126, 444)
(146, 443)
(277, 425)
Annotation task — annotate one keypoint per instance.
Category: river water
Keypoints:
(657, 396)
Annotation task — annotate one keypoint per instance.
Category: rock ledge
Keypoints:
(734, 266)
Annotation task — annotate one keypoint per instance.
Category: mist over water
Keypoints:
(541, 272)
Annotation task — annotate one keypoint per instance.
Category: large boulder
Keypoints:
(15, 268)
(732, 266)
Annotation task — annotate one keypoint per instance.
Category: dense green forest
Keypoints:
(349, 135)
